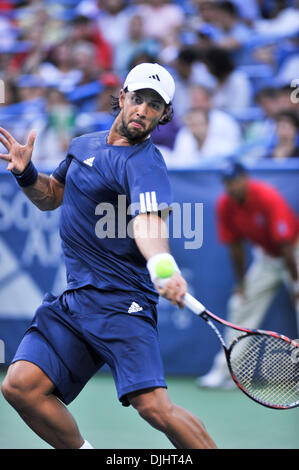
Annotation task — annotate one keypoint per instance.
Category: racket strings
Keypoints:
(264, 367)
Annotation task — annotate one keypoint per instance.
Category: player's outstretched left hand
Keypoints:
(18, 156)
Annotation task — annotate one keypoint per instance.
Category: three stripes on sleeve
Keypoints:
(148, 202)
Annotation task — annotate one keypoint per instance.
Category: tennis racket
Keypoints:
(263, 364)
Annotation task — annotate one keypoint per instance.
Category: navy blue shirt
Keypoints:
(105, 187)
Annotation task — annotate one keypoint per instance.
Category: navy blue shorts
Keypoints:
(71, 337)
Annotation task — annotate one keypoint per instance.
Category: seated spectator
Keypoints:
(59, 69)
(284, 23)
(54, 129)
(263, 130)
(234, 33)
(162, 20)
(288, 97)
(223, 126)
(225, 30)
(83, 54)
(287, 144)
(141, 57)
(85, 30)
(188, 71)
(113, 21)
(101, 118)
(233, 92)
(196, 144)
(29, 61)
(136, 43)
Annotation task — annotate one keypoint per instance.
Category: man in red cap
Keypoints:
(255, 211)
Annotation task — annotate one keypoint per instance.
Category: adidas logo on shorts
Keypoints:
(134, 308)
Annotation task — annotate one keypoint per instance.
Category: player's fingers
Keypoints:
(7, 135)
(5, 156)
(5, 142)
(31, 138)
(181, 291)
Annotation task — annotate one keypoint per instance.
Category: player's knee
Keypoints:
(16, 392)
(10, 392)
(157, 414)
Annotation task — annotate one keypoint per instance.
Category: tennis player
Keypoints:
(255, 211)
(107, 314)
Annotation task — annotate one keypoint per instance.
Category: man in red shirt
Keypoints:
(254, 211)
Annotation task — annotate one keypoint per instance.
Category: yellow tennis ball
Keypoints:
(165, 268)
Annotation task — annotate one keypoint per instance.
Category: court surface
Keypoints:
(233, 420)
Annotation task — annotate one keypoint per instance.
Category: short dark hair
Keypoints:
(227, 7)
(219, 62)
(80, 20)
(188, 55)
(290, 116)
(266, 92)
(116, 109)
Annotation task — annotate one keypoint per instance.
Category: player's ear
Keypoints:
(165, 114)
(122, 95)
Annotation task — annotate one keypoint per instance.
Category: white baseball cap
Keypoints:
(152, 76)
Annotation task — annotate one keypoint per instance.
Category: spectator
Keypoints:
(288, 97)
(136, 43)
(29, 62)
(162, 21)
(188, 71)
(59, 69)
(284, 23)
(83, 54)
(54, 129)
(263, 130)
(287, 128)
(84, 29)
(205, 13)
(234, 32)
(223, 126)
(142, 57)
(101, 118)
(195, 142)
(233, 92)
(260, 135)
(113, 21)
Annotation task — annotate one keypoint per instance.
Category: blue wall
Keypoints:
(31, 263)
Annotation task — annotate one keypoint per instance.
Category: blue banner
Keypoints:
(31, 264)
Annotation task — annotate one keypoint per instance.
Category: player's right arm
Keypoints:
(46, 192)
(151, 237)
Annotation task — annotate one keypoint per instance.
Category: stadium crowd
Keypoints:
(235, 65)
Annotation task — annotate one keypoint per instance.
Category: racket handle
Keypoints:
(194, 305)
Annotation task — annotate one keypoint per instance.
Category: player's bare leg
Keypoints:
(30, 391)
(183, 429)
